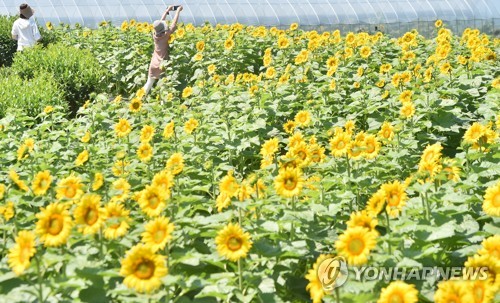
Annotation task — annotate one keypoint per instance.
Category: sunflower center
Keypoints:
(91, 216)
(429, 156)
(70, 192)
(43, 183)
(123, 128)
(234, 243)
(454, 299)
(290, 183)
(145, 269)
(387, 133)
(370, 148)
(396, 298)
(496, 200)
(135, 105)
(24, 255)
(394, 199)
(356, 246)
(154, 201)
(340, 145)
(159, 235)
(478, 293)
(55, 224)
(302, 155)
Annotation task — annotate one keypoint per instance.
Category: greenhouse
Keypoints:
(390, 16)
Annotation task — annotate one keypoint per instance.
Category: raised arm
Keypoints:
(176, 18)
(164, 16)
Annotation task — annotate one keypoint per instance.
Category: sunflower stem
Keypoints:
(39, 279)
(388, 231)
(240, 278)
(337, 295)
(292, 228)
(428, 209)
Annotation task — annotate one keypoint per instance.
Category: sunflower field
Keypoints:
(260, 153)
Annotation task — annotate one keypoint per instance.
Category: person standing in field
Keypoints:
(24, 29)
(161, 37)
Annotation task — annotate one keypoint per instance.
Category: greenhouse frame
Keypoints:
(390, 16)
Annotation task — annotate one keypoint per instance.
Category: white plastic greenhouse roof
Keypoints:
(261, 12)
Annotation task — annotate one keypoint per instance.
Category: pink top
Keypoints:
(160, 53)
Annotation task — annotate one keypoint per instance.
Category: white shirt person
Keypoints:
(24, 29)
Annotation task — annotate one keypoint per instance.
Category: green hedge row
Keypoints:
(7, 45)
(77, 71)
(29, 96)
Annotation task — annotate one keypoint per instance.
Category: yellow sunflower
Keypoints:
(365, 51)
(364, 219)
(165, 180)
(395, 196)
(2, 191)
(17, 180)
(147, 133)
(190, 125)
(86, 137)
(270, 147)
(175, 164)
(121, 190)
(491, 247)
(143, 269)
(168, 132)
(355, 245)
(491, 203)
(400, 292)
(157, 233)
(349, 127)
(232, 242)
(453, 291)
(491, 263)
(19, 255)
(405, 96)
(303, 118)
(483, 291)
(372, 147)
(135, 105)
(117, 220)
(89, 214)
(438, 23)
(200, 45)
(153, 200)
(229, 185)
(474, 133)
(315, 287)
(316, 153)
(54, 224)
(223, 201)
(122, 128)
(432, 153)
(289, 182)
(41, 183)
(339, 144)
(283, 42)
(229, 44)
(407, 110)
(289, 126)
(145, 152)
(82, 158)
(69, 188)
(98, 181)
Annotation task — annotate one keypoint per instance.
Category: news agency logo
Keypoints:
(333, 273)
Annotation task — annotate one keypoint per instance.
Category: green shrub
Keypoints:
(29, 96)
(7, 45)
(77, 71)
